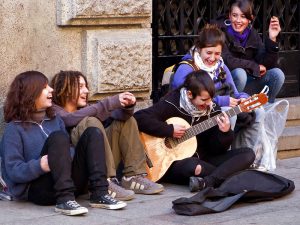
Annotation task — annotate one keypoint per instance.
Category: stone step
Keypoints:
(289, 143)
(293, 118)
(294, 110)
(292, 123)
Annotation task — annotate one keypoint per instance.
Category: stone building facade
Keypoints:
(110, 41)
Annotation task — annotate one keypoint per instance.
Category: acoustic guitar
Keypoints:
(162, 152)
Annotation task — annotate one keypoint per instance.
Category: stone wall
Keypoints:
(109, 40)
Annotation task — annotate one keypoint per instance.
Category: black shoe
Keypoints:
(196, 184)
(107, 202)
(70, 208)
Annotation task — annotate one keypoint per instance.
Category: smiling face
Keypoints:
(210, 55)
(238, 19)
(83, 93)
(202, 101)
(44, 101)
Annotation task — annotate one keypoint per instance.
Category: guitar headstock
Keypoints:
(253, 102)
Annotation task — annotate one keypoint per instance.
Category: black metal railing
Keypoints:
(177, 22)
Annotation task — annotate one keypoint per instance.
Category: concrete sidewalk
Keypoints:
(156, 209)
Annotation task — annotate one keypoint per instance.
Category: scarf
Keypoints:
(241, 38)
(187, 105)
(213, 71)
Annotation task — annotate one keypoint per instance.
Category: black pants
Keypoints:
(69, 178)
(215, 169)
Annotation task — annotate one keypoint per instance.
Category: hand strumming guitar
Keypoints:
(223, 122)
(179, 130)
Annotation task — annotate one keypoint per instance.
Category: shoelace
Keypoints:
(143, 181)
(115, 184)
(73, 204)
(115, 181)
(108, 197)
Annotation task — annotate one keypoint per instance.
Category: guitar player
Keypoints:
(211, 163)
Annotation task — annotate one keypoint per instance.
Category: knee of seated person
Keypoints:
(131, 122)
(92, 121)
(239, 76)
(278, 73)
(93, 132)
(239, 72)
(59, 137)
(249, 156)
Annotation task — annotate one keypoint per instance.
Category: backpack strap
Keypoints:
(189, 62)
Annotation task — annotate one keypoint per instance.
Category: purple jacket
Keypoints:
(222, 100)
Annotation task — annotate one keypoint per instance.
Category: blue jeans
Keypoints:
(274, 79)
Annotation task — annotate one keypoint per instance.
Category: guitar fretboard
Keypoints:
(205, 125)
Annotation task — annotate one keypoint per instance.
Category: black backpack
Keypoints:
(246, 186)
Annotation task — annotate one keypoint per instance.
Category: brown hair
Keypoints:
(20, 99)
(66, 86)
(246, 6)
(198, 81)
(210, 36)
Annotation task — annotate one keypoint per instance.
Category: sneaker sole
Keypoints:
(71, 212)
(102, 206)
(126, 198)
(148, 192)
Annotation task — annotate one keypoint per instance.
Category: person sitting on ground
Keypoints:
(212, 163)
(121, 135)
(38, 163)
(206, 55)
(253, 64)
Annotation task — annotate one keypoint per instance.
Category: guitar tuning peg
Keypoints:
(265, 90)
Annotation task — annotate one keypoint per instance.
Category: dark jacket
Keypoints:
(255, 52)
(152, 121)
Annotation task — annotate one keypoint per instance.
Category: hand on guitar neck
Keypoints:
(223, 122)
(234, 102)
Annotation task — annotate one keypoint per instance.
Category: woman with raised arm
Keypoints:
(253, 64)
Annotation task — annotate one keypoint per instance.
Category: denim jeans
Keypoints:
(274, 79)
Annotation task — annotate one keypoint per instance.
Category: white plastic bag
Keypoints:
(271, 129)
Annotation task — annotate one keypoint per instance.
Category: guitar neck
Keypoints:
(206, 124)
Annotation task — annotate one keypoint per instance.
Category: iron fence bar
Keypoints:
(154, 46)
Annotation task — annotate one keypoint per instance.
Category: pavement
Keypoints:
(157, 209)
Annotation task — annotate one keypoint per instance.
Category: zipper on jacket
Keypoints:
(40, 125)
(42, 128)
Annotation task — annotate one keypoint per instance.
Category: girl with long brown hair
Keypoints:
(38, 163)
